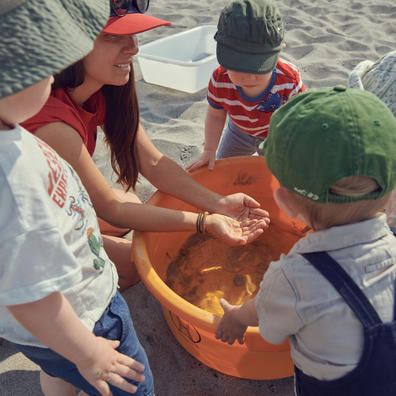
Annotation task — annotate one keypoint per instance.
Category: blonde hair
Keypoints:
(326, 215)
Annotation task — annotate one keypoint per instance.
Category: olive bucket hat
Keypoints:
(38, 38)
(249, 36)
(322, 136)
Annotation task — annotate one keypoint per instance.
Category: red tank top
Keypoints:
(61, 108)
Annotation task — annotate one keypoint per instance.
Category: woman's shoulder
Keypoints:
(60, 107)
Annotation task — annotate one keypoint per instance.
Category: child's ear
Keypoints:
(285, 201)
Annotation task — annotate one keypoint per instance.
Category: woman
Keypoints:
(100, 90)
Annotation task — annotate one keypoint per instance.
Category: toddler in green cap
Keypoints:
(250, 83)
(333, 295)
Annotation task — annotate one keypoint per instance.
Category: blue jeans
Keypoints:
(115, 324)
(235, 143)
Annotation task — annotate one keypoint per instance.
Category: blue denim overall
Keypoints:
(375, 374)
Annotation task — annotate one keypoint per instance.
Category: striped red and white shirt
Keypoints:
(252, 115)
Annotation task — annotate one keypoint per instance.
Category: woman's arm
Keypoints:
(69, 145)
(170, 178)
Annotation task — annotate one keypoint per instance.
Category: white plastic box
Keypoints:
(183, 61)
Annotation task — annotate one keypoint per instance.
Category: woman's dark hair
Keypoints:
(121, 122)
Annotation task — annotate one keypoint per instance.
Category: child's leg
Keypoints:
(119, 249)
(52, 386)
(235, 143)
(64, 376)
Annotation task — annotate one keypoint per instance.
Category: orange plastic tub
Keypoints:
(193, 327)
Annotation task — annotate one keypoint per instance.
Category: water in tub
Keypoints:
(207, 269)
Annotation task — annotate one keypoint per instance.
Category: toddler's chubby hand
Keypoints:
(230, 328)
(234, 232)
(107, 366)
(207, 157)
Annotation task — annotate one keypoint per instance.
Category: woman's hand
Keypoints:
(107, 366)
(240, 206)
(232, 231)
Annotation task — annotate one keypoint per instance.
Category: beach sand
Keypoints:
(325, 39)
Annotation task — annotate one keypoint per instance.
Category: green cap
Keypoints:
(249, 36)
(320, 137)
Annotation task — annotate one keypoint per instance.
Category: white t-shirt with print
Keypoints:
(49, 235)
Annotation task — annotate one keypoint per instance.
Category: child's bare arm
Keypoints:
(214, 125)
(236, 320)
(53, 321)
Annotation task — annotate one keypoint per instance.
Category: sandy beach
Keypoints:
(325, 39)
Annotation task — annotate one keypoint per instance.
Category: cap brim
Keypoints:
(133, 24)
(257, 63)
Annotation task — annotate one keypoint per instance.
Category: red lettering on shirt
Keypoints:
(57, 176)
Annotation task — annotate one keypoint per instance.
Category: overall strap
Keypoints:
(393, 229)
(344, 284)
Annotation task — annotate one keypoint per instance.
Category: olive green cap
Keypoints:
(320, 137)
(249, 36)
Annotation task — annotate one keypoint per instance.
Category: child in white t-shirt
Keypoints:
(57, 285)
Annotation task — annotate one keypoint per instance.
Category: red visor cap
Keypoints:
(132, 24)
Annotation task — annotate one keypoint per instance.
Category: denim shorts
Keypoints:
(235, 143)
(115, 324)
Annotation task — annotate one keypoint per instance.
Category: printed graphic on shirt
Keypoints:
(272, 102)
(57, 176)
(95, 245)
(75, 209)
(74, 204)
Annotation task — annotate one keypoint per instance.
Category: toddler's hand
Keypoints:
(208, 157)
(230, 328)
(232, 231)
(107, 366)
